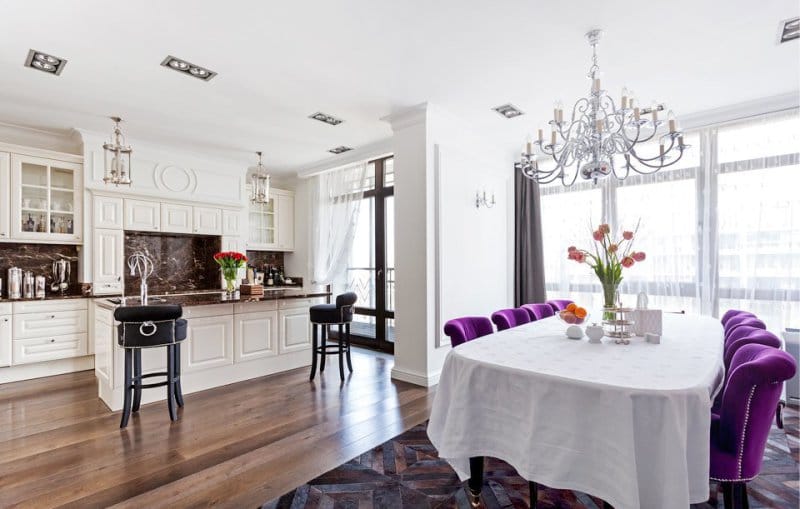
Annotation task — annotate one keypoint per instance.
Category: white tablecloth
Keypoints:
(626, 423)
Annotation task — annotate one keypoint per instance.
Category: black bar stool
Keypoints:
(340, 314)
(150, 327)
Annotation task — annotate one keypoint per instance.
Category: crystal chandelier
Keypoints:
(600, 139)
(259, 183)
(117, 158)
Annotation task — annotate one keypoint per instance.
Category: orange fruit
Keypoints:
(571, 306)
(580, 312)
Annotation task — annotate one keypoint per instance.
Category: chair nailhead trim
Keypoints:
(744, 431)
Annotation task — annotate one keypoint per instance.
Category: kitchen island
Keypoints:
(229, 339)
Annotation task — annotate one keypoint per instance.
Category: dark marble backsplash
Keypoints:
(182, 262)
(38, 258)
(259, 259)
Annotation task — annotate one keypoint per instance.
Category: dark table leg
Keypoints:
(475, 480)
(534, 488)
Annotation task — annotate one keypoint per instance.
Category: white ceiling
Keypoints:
(280, 61)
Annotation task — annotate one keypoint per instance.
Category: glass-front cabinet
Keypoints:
(262, 225)
(271, 224)
(46, 203)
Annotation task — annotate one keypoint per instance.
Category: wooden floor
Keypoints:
(235, 446)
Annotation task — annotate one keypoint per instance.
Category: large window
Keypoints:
(721, 229)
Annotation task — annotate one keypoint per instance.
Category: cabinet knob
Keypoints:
(52, 340)
(2, 234)
(5, 319)
(52, 316)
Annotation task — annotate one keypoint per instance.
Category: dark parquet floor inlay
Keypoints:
(406, 472)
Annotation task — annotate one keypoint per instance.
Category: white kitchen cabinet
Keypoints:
(26, 351)
(108, 212)
(107, 261)
(208, 344)
(5, 196)
(46, 199)
(141, 215)
(207, 221)
(295, 329)
(234, 244)
(5, 340)
(49, 323)
(176, 218)
(256, 335)
(232, 223)
(285, 221)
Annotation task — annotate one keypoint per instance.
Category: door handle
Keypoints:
(379, 274)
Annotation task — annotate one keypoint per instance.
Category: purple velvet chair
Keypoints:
(538, 311)
(750, 335)
(736, 320)
(507, 318)
(740, 321)
(461, 330)
(731, 313)
(559, 304)
(740, 332)
(739, 433)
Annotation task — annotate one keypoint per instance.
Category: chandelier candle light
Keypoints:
(117, 154)
(601, 138)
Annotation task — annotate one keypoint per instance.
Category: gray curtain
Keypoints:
(528, 251)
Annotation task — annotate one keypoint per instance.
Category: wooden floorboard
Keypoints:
(234, 446)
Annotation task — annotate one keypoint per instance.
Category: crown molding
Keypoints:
(408, 117)
(741, 111)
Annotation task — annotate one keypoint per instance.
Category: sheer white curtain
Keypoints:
(335, 199)
(721, 228)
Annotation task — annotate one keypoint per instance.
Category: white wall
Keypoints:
(451, 258)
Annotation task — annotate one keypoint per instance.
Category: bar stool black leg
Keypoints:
(534, 489)
(126, 406)
(314, 352)
(340, 338)
(347, 346)
(178, 390)
(171, 384)
(324, 347)
(137, 379)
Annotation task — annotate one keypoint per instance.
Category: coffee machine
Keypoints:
(61, 272)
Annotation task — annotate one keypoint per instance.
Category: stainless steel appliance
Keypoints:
(14, 283)
(40, 287)
(27, 284)
(61, 272)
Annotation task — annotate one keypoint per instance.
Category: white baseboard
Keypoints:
(49, 368)
(416, 378)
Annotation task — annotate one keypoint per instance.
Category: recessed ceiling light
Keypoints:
(44, 62)
(340, 149)
(324, 117)
(188, 68)
(789, 29)
(508, 110)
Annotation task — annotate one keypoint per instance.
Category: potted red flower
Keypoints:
(230, 262)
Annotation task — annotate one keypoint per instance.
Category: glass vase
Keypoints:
(609, 299)
(230, 280)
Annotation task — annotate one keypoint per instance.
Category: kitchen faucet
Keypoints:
(141, 263)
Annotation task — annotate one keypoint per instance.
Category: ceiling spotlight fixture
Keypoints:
(188, 68)
(260, 183)
(601, 137)
(789, 30)
(44, 62)
(117, 158)
(324, 117)
(508, 110)
(340, 150)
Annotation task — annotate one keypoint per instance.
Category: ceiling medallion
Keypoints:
(600, 139)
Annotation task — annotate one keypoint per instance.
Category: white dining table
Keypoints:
(626, 423)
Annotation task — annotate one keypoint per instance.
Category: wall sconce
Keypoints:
(481, 199)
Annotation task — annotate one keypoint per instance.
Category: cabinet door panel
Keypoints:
(207, 221)
(5, 340)
(295, 333)
(176, 218)
(108, 212)
(209, 343)
(107, 261)
(255, 335)
(286, 222)
(142, 215)
(5, 196)
(37, 325)
(231, 223)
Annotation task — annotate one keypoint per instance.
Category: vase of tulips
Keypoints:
(608, 258)
(230, 262)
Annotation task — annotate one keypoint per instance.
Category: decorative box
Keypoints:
(647, 321)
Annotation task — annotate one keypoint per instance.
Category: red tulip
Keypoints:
(597, 235)
(627, 235)
(639, 256)
(571, 249)
(613, 248)
(627, 262)
(604, 228)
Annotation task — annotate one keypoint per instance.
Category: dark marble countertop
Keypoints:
(211, 298)
(49, 296)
